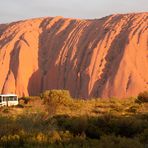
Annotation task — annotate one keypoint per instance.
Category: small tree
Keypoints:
(55, 98)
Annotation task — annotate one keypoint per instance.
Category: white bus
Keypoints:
(8, 100)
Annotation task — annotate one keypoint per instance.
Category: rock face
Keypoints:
(91, 58)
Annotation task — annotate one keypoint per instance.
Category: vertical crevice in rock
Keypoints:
(128, 82)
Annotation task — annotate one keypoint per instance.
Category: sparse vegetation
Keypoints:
(57, 120)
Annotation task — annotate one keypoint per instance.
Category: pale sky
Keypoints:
(13, 10)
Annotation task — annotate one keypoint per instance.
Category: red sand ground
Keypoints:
(91, 58)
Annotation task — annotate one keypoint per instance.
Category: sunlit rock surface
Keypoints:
(105, 57)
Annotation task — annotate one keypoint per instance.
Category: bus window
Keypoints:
(4, 98)
(15, 98)
(10, 98)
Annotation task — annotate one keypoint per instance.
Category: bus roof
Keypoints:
(7, 95)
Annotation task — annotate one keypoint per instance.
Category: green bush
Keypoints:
(142, 97)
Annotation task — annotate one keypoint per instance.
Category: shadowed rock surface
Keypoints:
(91, 58)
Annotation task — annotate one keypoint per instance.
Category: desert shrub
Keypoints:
(54, 136)
(6, 110)
(54, 98)
(112, 141)
(95, 127)
(41, 138)
(93, 132)
(114, 125)
(79, 125)
(4, 124)
(128, 127)
(65, 131)
(24, 100)
(142, 97)
(144, 136)
(76, 125)
(77, 142)
(32, 123)
(8, 126)
(133, 108)
(10, 141)
(20, 106)
(66, 135)
(98, 111)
